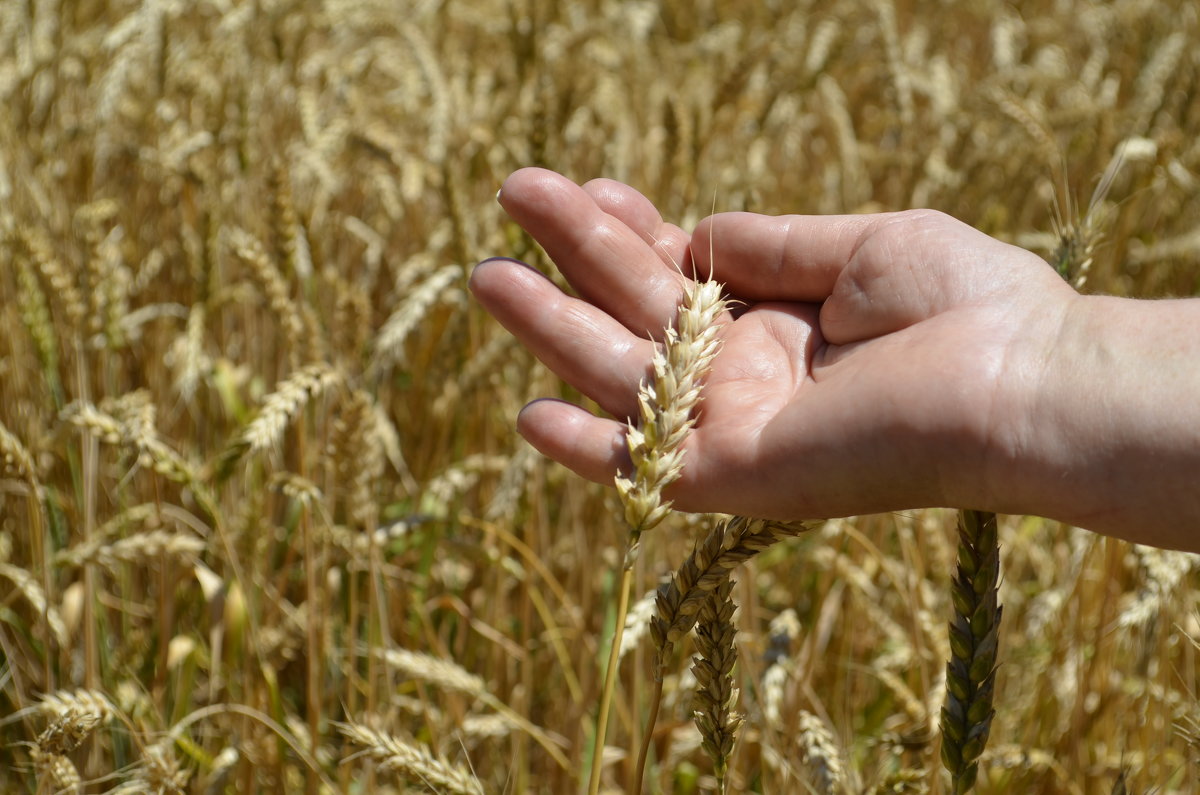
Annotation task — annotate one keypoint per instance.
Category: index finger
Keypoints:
(606, 261)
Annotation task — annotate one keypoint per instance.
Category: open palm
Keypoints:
(870, 363)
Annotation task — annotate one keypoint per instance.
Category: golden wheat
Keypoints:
(226, 225)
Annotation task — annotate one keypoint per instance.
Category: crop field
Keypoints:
(265, 522)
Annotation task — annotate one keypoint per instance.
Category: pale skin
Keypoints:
(872, 363)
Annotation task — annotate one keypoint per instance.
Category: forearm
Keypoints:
(1113, 433)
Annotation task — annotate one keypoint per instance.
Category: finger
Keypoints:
(606, 261)
(637, 212)
(579, 342)
(781, 258)
(590, 446)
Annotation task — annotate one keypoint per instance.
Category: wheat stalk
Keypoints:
(449, 676)
(280, 407)
(678, 601)
(389, 342)
(36, 596)
(68, 705)
(412, 762)
(35, 313)
(135, 548)
(131, 420)
(62, 284)
(272, 283)
(821, 754)
(667, 406)
(16, 459)
(158, 772)
(67, 731)
(667, 411)
(731, 542)
(60, 769)
(974, 633)
(715, 694)
(357, 452)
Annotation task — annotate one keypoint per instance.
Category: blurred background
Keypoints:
(265, 524)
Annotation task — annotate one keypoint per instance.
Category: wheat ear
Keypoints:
(974, 630)
(731, 542)
(666, 407)
(820, 752)
(666, 410)
(678, 601)
(715, 693)
(412, 762)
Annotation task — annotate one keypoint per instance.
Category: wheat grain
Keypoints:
(1007, 35)
(1028, 116)
(297, 488)
(35, 313)
(442, 490)
(1164, 571)
(60, 769)
(351, 318)
(130, 420)
(637, 622)
(427, 668)
(388, 346)
(272, 283)
(187, 356)
(358, 457)
(821, 754)
(109, 277)
(135, 548)
(68, 730)
(158, 772)
(486, 726)
(667, 408)
(89, 706)
(855, 183)
(17, 460)
(974, 635)
(410, 761)
(898, 69)
(820, 46)
(716, 696)
(1153, 80)
(783, 631)
(514, 481)
(903, 782)
(449, 676)
(285, 403)
(291, 246)
(730, 543)
(62, 284)
(28, 587)
(98, 423)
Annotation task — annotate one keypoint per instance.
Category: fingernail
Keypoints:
(498, 192)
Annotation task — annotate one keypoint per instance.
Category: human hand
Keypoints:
(873, 362)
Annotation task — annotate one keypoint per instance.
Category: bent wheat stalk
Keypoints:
(731, 542)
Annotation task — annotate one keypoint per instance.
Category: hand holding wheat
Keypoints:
(875, 362)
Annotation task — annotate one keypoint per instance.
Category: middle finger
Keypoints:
(606, 261)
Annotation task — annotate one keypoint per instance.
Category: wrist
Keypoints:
(1107, 431)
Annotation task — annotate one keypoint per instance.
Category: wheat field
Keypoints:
(265, 524)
